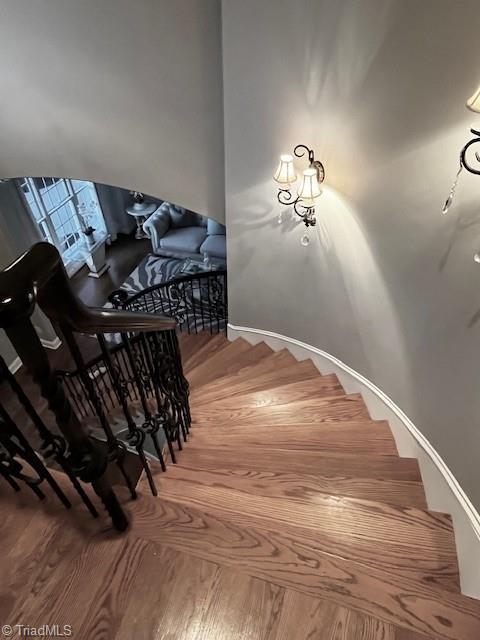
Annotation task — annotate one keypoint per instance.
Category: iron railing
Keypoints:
(136, 393)
(137, 373)
(20, 463)
(197, 302)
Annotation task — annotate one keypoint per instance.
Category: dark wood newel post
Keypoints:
(17, 303)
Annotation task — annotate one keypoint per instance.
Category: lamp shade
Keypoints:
(309, 189)
(285, 173)
(473, 103)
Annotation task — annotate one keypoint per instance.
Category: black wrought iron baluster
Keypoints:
(141, 364)
(200, 298)
(72, 393)
(105, 389)
(8, 431)
(128, 375)
(217, 314)
(149, 423)
(136, 435)
(225, 302)
(167, 375)
(116, 449)
(163, 418)
(6, 476)
(192, 294)
(87, 459)
(11, 467)
(85, 395)
(180, 382)
(53, 446)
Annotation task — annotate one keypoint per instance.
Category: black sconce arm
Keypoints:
(463, 154)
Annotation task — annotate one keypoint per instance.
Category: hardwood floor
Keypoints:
(288, 516)
(123, 256)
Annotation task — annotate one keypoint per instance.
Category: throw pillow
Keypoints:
(182, 218)
(214, 228)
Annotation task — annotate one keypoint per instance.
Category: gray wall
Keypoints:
(119, 92)
(388, 284)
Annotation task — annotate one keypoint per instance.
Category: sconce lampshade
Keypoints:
(285, 173)
(473, 103)
(309, 189)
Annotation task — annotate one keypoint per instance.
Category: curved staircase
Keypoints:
(289, 515)
(288, 483)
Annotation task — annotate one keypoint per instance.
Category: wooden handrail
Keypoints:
(39, 276)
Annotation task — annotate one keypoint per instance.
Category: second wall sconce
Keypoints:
(473, 104)
(309, 190)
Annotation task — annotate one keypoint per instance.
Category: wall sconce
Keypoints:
(309, 191)
(473, 103)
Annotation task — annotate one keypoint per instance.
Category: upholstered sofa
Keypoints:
(178, 233)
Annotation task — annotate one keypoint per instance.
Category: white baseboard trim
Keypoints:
(443, 491)
(15, 365)
(51, 344)
(48, 344)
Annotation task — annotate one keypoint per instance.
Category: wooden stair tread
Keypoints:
(305, 487)
(232, 358)
(326, 386)
(278, 366)
(348, 407)
(413, 542)
(289, 562)
(368, 436)
(197, 594)
(207, 350)
(192, 342)
(146, 587)
(325, 463)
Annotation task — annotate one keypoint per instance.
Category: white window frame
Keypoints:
(74, 256)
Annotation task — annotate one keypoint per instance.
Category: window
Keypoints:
(62, 208)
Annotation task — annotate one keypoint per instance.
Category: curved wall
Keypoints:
(120, 92)
(388, 285)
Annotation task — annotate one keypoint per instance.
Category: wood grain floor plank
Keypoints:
(169, 597)
(348, 407)
(367, 437)
(320, 386)
(325, 463)
(232, 358)
(411, 542)
(208, 349)
(270, 371)
(201, 600)
(284, 561)
(305, 488)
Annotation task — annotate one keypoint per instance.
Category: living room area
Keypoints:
(110, 238)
